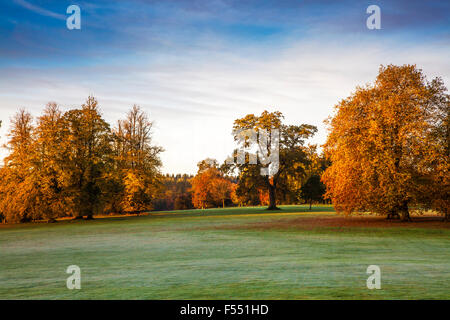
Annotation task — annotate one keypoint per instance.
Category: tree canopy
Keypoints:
(290, 147)
(388, 142)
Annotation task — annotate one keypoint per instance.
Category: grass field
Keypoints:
(239, 253)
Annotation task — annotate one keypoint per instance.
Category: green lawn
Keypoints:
(213, 254)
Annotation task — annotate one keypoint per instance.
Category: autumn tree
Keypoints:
(89, 158)
(221, 190)
(137, 161)
(269, 130)
(17, 185)
(210, 187)
(49, 153)
(382, 143)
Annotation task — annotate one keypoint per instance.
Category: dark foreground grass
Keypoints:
(210, 254)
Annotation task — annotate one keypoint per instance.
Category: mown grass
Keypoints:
(210, 254)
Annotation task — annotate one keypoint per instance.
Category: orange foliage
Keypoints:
(210, 189)
(380, 140)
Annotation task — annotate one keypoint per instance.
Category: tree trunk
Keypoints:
(223, 203)
(90, 217)
(310, 204)
(404, 211)
(272, 198)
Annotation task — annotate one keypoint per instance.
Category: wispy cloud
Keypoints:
(39, 10)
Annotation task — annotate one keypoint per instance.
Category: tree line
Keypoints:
(73, 164)
(387, 151)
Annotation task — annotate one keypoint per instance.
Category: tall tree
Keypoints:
(49, 157)
(137, 160)
(89, 156)
(291, 149)
(379, 140)
(17, 185)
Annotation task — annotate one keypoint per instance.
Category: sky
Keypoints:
(196, 66)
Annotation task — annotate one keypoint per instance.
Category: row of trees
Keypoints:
(388, 150)
(73, 164)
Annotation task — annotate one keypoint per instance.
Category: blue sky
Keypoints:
(195, 66)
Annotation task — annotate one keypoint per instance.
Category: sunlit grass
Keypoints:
(210, 254)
